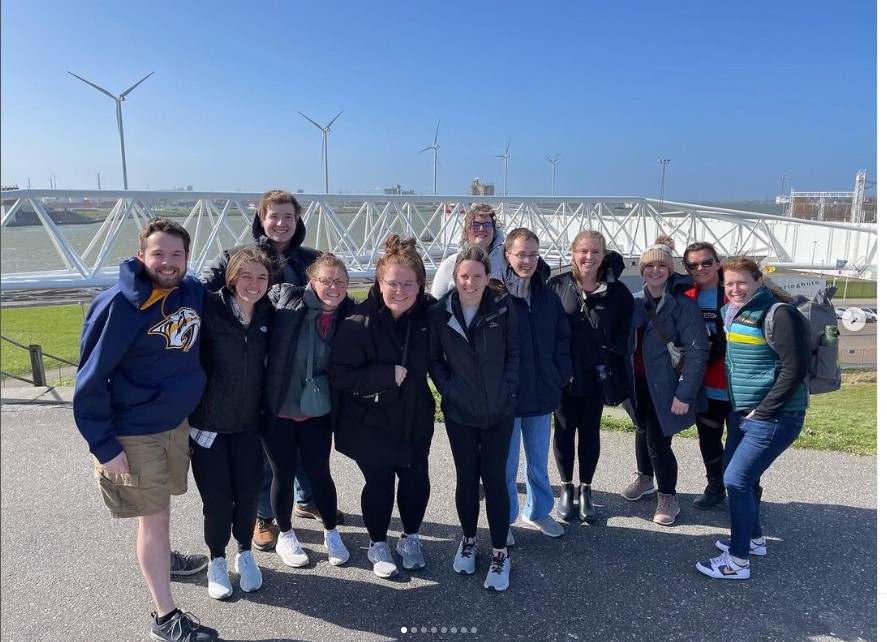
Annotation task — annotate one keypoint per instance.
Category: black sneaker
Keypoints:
(714, 495)
(180, 564)
(182, 627)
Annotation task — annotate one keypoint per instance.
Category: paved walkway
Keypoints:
(69, 571)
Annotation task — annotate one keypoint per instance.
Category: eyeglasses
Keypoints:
(707, 263)
(477, 227)
(406, 286)
(532, 258)
(331, 283)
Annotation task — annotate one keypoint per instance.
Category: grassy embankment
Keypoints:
(845, 420)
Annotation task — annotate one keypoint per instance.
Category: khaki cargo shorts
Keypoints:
(158, 468)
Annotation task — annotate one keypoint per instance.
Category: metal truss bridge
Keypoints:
(41, 252)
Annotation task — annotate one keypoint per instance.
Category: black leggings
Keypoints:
(228, 475)
(710, 427)
(285, 440)
(377, 498)
(580, 415)
(651, 447)
(482, 455)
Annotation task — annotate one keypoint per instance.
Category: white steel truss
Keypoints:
(354, 228)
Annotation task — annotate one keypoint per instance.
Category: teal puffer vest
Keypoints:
(752, 365)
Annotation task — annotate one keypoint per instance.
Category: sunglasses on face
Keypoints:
(707, 263)
(477, 227)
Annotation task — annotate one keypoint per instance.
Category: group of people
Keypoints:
(254, 371)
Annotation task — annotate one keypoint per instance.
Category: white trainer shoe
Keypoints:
(250, 574)
(290, 551)
(218, 582)
(466, 555)
(336, 550)
(383, 563)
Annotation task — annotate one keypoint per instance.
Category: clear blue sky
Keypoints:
(737, 94)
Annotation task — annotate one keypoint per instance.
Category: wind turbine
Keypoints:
(119, 100)
(505, 157)
(434, 146)
(553, 170)
(325, 159)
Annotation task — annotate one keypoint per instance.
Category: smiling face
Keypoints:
(471, 278)
(482, 231)
(740, 286)
(655, 274)
(587, 256)
(279, 224)
(523, 256)
(251, 284)
(703, 267)
(331, 285)
(400, 288)
(165, 259)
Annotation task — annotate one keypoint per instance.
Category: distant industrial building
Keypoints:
(397, 189)
(479, 188)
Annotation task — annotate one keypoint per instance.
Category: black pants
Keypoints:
(580, 415)
(710, 427)
(651, 447)
(482, 455)
(377, 498)
(284, 441)
(228, 475)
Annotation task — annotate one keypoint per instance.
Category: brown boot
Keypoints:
(265, 535)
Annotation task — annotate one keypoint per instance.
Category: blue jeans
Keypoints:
(536, 433)
(304, 494)
(752, 446)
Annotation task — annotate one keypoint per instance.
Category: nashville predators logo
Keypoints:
(180, 329)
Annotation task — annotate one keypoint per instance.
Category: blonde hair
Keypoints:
(590, 235)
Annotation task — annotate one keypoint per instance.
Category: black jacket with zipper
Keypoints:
(233, 358)
(477, 373)
(290, 312)
(376, 421)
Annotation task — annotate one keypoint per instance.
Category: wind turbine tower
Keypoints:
(324, 156)
(434, 146)
(505, 157)
(119, 101)
(553, 170)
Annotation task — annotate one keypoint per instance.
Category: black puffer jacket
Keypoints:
(233, 358)
(477, 373)
(601, 336)
(388, 429)
(290, 312)
(545, 363)
(297, 258)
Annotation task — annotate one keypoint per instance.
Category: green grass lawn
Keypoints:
(55, 328)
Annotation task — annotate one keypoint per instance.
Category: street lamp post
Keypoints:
(664, 161)
(782, 187)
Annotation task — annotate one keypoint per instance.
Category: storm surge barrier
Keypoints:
(354, 226)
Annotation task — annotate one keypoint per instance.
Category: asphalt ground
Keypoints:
(69, 570)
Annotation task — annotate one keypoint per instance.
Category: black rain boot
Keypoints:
(587, 512)
(565, 505)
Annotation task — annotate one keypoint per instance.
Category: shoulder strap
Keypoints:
(767, 325)
(309, 375)
(660, 328)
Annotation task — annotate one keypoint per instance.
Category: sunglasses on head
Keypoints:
(707, 263)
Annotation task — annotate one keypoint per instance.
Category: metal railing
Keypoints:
(38, 367)
(354, 228)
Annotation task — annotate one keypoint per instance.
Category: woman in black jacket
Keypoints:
(298, 404)
(225, 444)
(598, 308)
(385, 418)
(475, 365)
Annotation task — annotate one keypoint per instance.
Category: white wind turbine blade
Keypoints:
(309, 120)
(334, 120)
(123, 95)
(101, 89)
(436, 132)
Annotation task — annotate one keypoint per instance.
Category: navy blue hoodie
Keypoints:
(139, 368)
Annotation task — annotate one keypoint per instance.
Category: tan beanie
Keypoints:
(658, 252)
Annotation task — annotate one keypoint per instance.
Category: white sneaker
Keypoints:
(337, 551)
(250, 574)
(410, 550)
(383, 563)
(290, 551)
(218, 582)
(510, 540)
(546, 524)
(500, 570)
(758, 548)
(466, 555)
